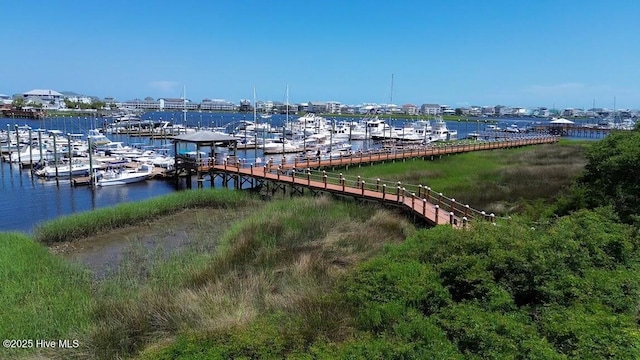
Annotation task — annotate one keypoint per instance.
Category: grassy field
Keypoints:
(43, 296)
(498, 181)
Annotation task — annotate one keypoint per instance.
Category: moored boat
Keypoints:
(123, 176)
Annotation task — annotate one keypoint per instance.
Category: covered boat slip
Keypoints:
(207, 149)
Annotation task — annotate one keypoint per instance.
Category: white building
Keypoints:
(217, 105)
(430, 109)
(47, 98)
(167, 104)
(334, 107)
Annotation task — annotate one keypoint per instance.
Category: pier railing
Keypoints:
(421, 199)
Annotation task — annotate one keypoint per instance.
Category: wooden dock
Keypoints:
(434, 208)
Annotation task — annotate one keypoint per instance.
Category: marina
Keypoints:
(28, 198)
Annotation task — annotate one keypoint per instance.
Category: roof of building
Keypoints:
(42, 92)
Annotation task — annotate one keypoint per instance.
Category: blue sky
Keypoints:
(562, 53)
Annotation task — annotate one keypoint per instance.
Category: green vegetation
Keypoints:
(43, 296)
(611, 177)
(514, 292)
(275, 266)
(503, 181)
(97, 221)
(95, 104)
(317, 278)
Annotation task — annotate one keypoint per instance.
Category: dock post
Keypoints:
(464, 222)
(363, 187)
(384, 190)
(378, 184)
(424, 207)
(451, 219)
(437, 208)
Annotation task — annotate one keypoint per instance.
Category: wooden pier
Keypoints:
(421, 201)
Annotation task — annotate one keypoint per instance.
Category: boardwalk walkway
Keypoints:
(433, 207)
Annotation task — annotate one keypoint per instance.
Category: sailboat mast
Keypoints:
(284, 134)
(391, 96)
(255, 125)
(184, 104)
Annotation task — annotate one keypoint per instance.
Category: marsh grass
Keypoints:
(96, 221)
(272, 268)
(498, 181)
(42, 297)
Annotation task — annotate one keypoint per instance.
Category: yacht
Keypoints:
(279, 146)
(441, 133)
(123, 176)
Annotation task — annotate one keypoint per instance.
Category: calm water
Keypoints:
(26, 200)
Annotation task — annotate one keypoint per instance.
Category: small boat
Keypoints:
(123, 176)
(75, 168)
(97, 138)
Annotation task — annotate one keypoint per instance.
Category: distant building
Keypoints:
(5, 99)
(488, 111)
(447, 110)
(333, 107)
(502, 110)
(410, 109)
(173, 104)
(316, 107)
(217, 105)
(45, 95)
(430, 109)
(520, 111)
(245, 106)
(77, 98)
(147, 104)
(475, 111)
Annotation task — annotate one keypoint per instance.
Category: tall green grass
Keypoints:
(496, 180)
(43, 296)
(93, 222)
(272, 268)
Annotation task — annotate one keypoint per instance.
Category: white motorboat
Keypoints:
(123, 176)
(279, 146)
(441, 133)
(97, 138)
(75, 168)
